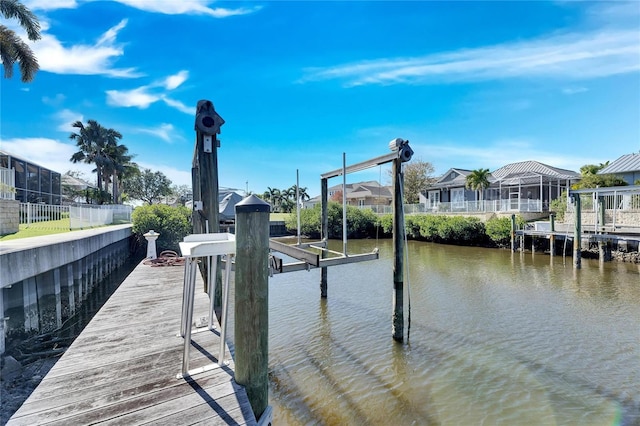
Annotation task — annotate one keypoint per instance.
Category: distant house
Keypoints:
(449, 188)
(527, 186)
(33, 183)
(74, 190)
(361, 194)
(626, 167)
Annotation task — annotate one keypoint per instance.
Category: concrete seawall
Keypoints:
(44, 279)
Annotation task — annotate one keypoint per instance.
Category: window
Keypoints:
(457, 197)
(434, 199)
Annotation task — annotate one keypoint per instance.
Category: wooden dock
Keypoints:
(122, 368)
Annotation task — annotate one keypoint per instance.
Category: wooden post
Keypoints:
(552, 236)
(252, 300)
(513, 232)
(195, 185)
(600, 221)
(577, 235)
(398, 253)
(324, 234)
(207, 125)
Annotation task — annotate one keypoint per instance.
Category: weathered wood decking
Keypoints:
(122, 368)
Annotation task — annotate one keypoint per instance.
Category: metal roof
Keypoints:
(624, 164)
(533, 168)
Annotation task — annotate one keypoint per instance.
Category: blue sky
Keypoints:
(469, 84)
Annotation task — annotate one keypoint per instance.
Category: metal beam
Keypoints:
(303, 266)
(361, 166)
(295, 252)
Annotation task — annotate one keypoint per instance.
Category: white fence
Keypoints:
(7, 184)
(72, 217)
(486, 206)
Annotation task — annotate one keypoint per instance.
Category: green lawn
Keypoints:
(39, 229)
(57, 227)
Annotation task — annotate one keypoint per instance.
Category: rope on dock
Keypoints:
(166, 258)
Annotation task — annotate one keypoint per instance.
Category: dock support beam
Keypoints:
(324, 234)
(552, 236)
(398, 253)
(577, 234)
(513, 232)
(252, 301)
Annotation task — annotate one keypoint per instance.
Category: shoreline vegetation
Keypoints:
(454, 230)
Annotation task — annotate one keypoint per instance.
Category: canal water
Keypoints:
(495, 338)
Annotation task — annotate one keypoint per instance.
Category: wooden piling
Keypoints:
(602, 245)
(552, 236)
(251, 300)
(577, 234)
(324, 233)
(513, 232)
(398, 253)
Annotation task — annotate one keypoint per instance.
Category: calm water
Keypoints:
(495, 338)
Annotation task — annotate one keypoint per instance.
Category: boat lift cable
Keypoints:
(406, 254)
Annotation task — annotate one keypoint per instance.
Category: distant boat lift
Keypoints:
(308, 259)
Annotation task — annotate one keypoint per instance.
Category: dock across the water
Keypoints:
(122, 368)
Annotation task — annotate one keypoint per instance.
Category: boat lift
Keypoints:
(307, 259)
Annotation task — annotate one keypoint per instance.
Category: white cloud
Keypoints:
(49, 153)
(84, 59)
(494, 154)
(50, 4)
(567, 56)
(164, 132)
(55, 101)
(574, 90)
(187, 7)
(179, 106)
(66, 118)
(139, 97)
(173, 81)
(177, 176)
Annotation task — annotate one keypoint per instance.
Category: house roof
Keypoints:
(624, 164)
(446, 181)
(75, 182)
(530, 172)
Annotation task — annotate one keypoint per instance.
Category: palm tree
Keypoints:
(98, 145)
(273, 196)
(478, 180)
(118, 166)
(12, 48)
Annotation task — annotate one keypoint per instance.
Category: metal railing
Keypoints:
(48, 216)
(485, 206)
(7, 184)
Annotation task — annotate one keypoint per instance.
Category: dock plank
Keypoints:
(122, 368)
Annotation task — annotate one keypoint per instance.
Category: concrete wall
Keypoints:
(44, 279)
(28, 257)
(9, 216)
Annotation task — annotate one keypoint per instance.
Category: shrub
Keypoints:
(498, 229)
(361, 223)
(172, 223)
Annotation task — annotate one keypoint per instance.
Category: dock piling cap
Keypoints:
(252, 204)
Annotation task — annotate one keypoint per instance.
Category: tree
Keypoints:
(117, 166)
(337, 196)
(591, 179)
(99, 146)
(12, 48)
(183, 193)
(148, 186)
(478, 180)
(418, 176)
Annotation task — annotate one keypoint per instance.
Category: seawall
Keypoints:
(44, 278)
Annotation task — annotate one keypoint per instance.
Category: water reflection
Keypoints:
(496, 338)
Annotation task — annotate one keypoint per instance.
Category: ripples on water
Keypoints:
(496, 338)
